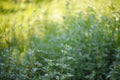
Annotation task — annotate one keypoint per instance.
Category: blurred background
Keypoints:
(60, 39)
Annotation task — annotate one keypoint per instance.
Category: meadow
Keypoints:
(59, 40)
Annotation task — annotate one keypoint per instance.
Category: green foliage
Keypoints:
(83, 45)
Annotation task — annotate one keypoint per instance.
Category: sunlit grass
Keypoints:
(32, 18)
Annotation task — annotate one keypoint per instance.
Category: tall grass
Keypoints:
(37, 43)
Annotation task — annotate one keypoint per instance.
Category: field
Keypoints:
(59, 39)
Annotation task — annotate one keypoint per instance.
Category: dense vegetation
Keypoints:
(59, 40)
